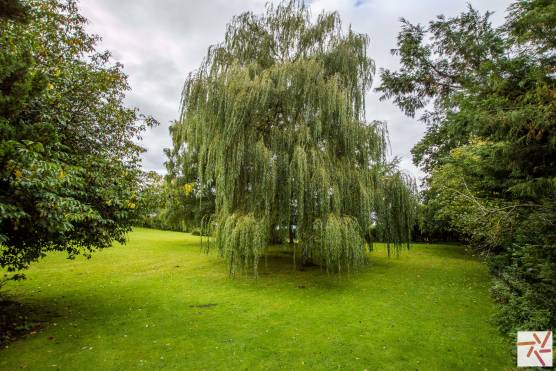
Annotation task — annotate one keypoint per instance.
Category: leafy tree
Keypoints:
(190, 203)
(69, 164)
(490, 148)
(151, 199)
(172, 202)
(274, 119)
(432, 225)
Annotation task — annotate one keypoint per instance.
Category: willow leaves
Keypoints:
(275, 117)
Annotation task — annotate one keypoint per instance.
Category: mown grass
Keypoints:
(158, 303)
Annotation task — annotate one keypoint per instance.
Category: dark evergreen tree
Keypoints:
(488, 96)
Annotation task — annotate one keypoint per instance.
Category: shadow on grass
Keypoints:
(19, 320)
(277, 266)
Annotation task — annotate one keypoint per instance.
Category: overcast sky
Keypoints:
(160, 41)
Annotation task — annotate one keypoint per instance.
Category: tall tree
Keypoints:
(69, 163)
(490, 147)
(275, 118)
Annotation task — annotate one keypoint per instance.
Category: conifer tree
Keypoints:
(274, 118)
(487, 96)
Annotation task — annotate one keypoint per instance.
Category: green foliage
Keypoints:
(189, 203)
(173, 202)
(432, 225)
(151, 200)
(68, 161)
(241, 239)
(533, 23)
(274, 121)
(396, 211)
(340, 243)
(490, 146)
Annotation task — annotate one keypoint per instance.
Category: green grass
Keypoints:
(144, 306)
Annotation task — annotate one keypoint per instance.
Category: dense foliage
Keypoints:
(69, 164)
(190, 202)
(173, 202)
(489, 102)
(274, 121)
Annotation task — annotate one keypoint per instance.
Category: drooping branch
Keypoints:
(275, 115)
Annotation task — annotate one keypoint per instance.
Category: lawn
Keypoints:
(158, 303)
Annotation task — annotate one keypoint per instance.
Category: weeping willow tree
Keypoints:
(275, 119)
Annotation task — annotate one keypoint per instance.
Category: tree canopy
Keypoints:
(69, 161)
(487, 97)
(274, 120)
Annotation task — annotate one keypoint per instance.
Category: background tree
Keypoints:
(151, 200)
(190, 203)
(490, 145)
(432, 225)
(69, 163)
(274, 118)
(172, 202)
